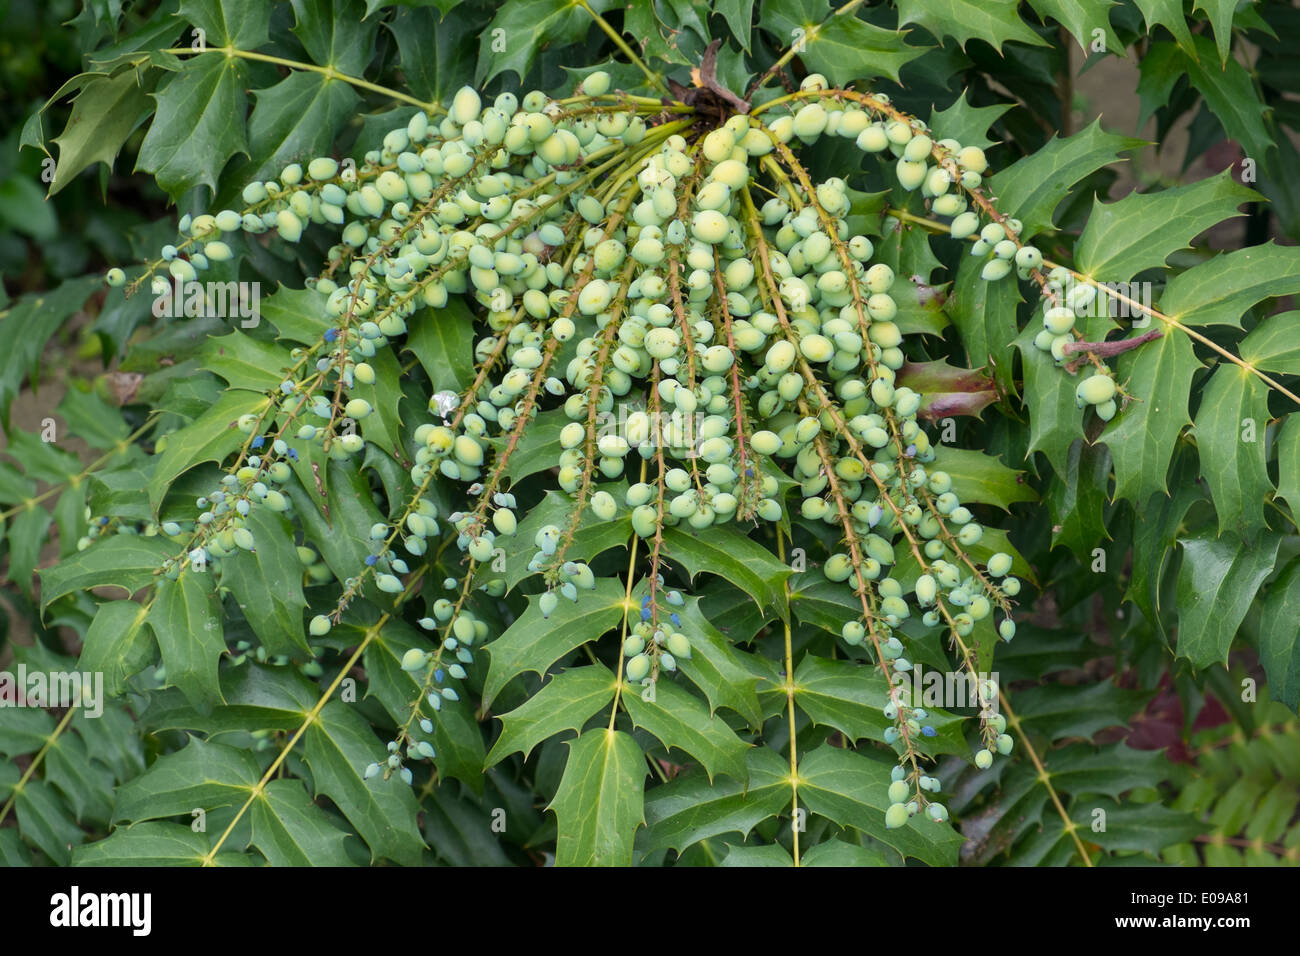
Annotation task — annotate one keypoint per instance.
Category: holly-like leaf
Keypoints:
(851, 790)
(1031, 188)
(1230, 438)
(154, 844)
(1288, 459)
(338, 745)
(126, 562)
(204, 775)
(980, 478)
(691, 808)
(198, 126)
(1056, 422)
(1274, 344)
(1219, 292)
(681, 720)
(246, 362)
(592, 537)
(1169, 14)
(210, 437)
(527, 26)
(566, 702)
(296, 120)
(850, 697)
(443, 341)
(840, 45)
(1057, 711)
(1082, 18)
(534, 643)
(186, 622)
(292, 831)
(239, 23)
(383, 425)
(968, 125)
(104, 114)
(1141, 438)
(993, 21)
(734, 556)
(1228, 89)
(297, 314)
(985, 315)
(117, 644)
(716, 667)
(600, 802)
(1220, 13)
(1216, 586)
(1279, 636)
(1142, 230)
(1077, 501)
(266, 583)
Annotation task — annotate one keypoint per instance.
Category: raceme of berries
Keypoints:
(627, 257)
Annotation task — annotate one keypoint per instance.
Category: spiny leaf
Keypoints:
(534, 643)
(198, 126)
(1056, 422)
(1279, 635)
(127, 562)
(993, 21)
(266, 583)
(742, 561)
(238, 23)
(968, 125)
(850, 697)
(338, 746)
(1216, 586)
(1142, 230)
(1219, 291)
(1274, 344)
(443, 341)
(155, 844)
(1169, 14)
(1031, 188)
(1228, 89)
(104, 114)
(981, 478)
(1080, 711)
(985, 315)
(188, 627)
(850, 789)
(692, 808)
(204, 775)
(566, 702)
(1141, 438)
(292, 831)
(117, 644)
(842, 46)
(681, 720)
(1082, 18)
(210, 437)
(1230, 438)
(246, 362)
(528, 26)
(599, 804)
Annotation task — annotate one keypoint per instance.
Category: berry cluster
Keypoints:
(622, 255)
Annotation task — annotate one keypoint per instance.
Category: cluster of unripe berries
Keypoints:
(618, 263)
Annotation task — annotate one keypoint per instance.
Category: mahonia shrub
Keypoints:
(575, 487)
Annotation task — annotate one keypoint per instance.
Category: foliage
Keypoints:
(611, 445)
